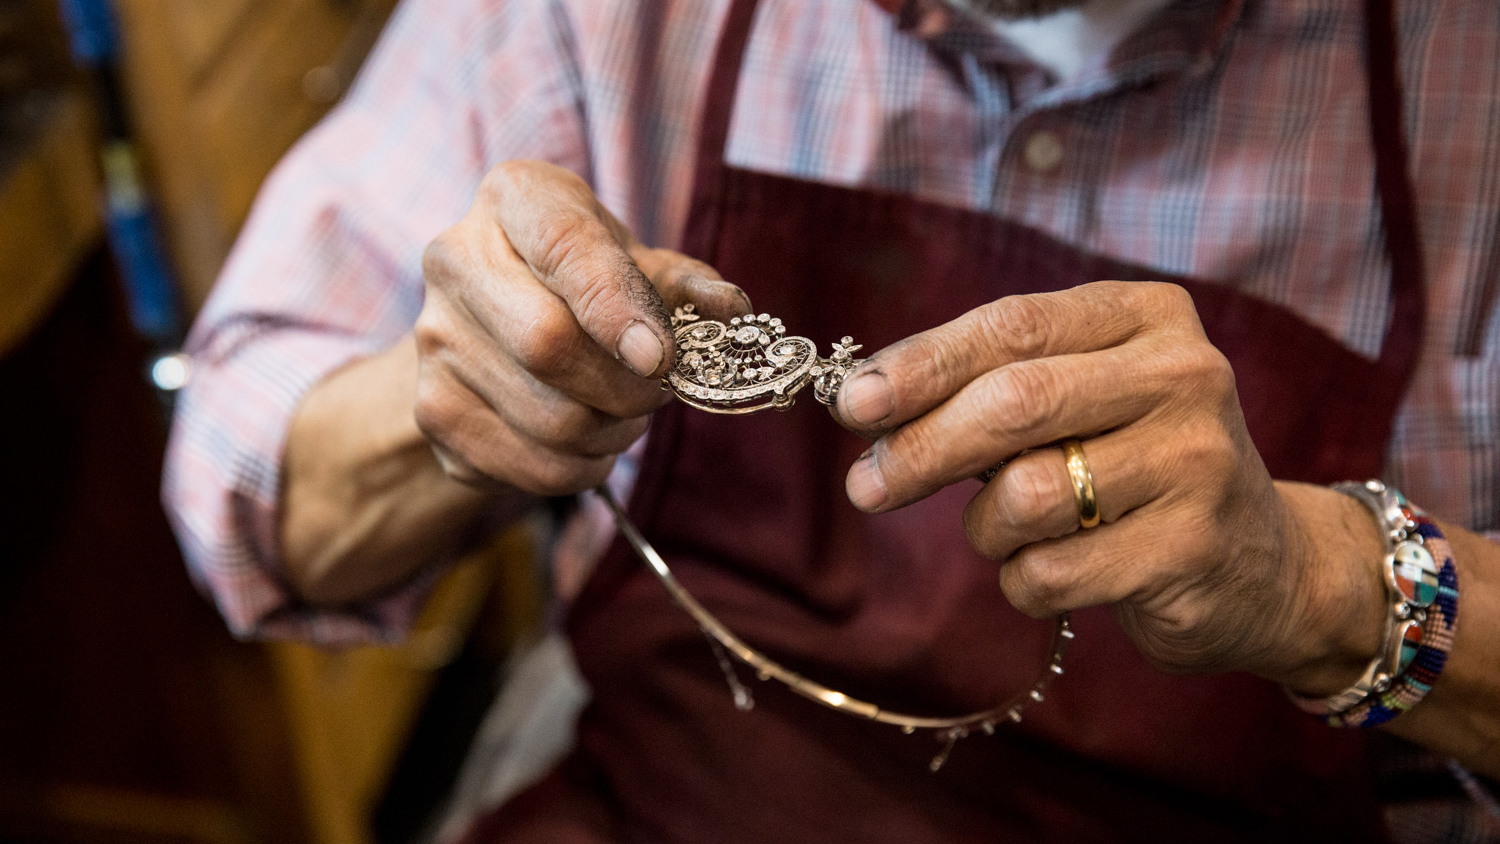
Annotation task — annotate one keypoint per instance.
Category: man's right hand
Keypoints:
(545, 332)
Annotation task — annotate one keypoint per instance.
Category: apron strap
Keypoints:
(1403, 337)
(700, 236)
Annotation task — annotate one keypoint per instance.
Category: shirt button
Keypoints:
(1043, 152)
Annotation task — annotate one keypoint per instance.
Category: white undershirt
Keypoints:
(1072, 41)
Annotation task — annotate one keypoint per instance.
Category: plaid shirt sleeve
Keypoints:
(328, 270)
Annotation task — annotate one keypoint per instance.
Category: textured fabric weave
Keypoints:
(1227, 140)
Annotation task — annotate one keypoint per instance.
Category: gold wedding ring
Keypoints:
(1083, 484)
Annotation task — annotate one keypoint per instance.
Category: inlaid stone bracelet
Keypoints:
(1422, 588)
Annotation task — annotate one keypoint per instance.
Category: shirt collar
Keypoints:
(1185, 37)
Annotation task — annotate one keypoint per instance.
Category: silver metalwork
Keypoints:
(751, 364)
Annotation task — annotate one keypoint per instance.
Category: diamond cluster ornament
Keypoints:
(751, 364)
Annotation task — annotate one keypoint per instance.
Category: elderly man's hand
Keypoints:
(545, 331)
(1207, 565)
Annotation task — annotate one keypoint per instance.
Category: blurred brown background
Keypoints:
(127, 713)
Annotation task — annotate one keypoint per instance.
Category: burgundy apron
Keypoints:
(896, 608)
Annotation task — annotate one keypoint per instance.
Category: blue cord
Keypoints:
(131, 228)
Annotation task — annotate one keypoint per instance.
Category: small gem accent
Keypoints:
(1411, 642)
(1416, 573)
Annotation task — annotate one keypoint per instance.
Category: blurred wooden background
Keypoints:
(219, 90)
(127, 713)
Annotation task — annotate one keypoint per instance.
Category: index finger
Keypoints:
(577, 250)
(911, 377)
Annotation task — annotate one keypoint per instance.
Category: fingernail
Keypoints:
(867, 398)
(640, 349)
(865, 486)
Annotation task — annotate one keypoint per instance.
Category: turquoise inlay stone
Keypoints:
(1416, 573)
(1411, 641)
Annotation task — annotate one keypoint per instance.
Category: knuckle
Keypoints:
(555, 239)
(976, 529)
(1031, 492)
(1178, 296)
(442, 418)
(1171, 299)
(1193, 371)
(496, 186)
(445, 257)
(549, 343)
(1030, 582)
(1120, 291)
(438, 412)
(905, 457)
(510, 179)
(1024, 399)
(919, 359)
(914, 364)
(1219, 455)
(1163, 654)
(1216, 371)
(1174, 306)
(1200, 362)
(430, 330)
(1019, 324)
(1207, 452)
(502, 178)
(1186, 640)
(566, 425)
(601, 281)
(615, 288)
(980, 528)
(595, 298)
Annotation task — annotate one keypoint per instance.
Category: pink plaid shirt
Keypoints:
(1226, 140)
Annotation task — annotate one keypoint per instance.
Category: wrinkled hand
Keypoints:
(1197, 550)
(545, 332)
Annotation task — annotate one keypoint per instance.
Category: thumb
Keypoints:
(610, 296)
(578, 251)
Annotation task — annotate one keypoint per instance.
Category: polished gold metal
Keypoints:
(1083, 484)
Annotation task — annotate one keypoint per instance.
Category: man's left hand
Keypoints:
(1208, 567)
